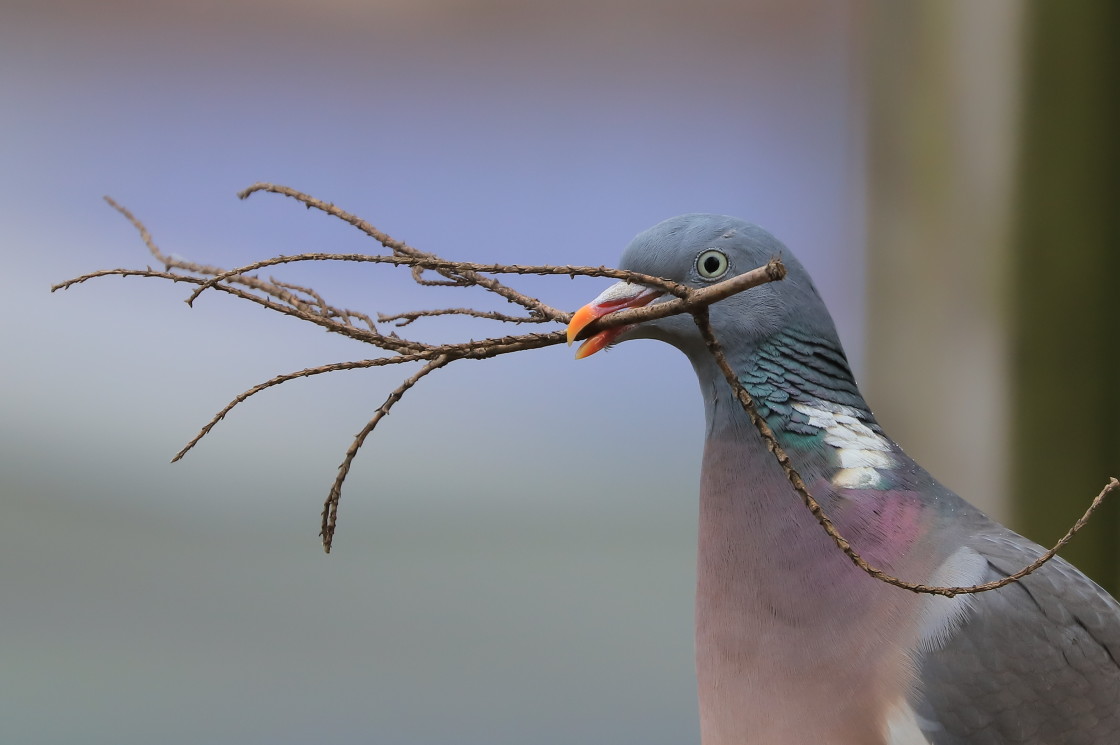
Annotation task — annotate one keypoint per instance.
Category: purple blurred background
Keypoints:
(515, 555)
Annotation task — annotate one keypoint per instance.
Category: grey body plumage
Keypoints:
(796, 645)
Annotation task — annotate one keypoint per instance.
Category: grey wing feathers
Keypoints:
(1034, 663)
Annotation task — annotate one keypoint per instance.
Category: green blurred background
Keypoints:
(516, 546)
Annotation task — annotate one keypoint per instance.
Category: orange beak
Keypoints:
(620, 296)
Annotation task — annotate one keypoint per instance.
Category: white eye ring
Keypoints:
(712, 264)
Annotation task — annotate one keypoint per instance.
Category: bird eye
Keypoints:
(712, 264)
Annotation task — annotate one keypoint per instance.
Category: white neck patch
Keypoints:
(860, 451)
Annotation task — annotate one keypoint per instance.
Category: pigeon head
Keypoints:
(699, 250)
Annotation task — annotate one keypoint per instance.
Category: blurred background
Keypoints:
(516, 544)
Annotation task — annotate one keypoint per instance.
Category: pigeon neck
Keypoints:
(795, 644)
(803, 388)
(795, 368)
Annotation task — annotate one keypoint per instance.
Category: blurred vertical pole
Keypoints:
(1066, 353)
(943, 80)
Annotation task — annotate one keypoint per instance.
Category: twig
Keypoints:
(305, 373)
(400, 247)
(465, 267)
(327, 322)
(307, 304)
(170, 262)
(330, 506)
(316, 298)
(404, 319)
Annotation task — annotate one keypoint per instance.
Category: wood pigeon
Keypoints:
(794, 644)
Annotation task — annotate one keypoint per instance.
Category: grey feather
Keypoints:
(1034, 662)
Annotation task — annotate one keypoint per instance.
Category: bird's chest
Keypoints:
(794, 643)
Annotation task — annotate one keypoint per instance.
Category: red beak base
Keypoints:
(621, 296)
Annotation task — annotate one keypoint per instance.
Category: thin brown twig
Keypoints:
(400, 247)
(404, 319)
(330, 506)
(425, 262)
(348, 314)
(275, 381)
(481, 349)
(316, 298)
(171, 262)
(370, 337)
(142, 230)
(282, 298)
(693, 299)
(418, 278)
(307, 304)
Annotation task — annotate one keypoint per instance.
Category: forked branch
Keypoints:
(309, 305)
